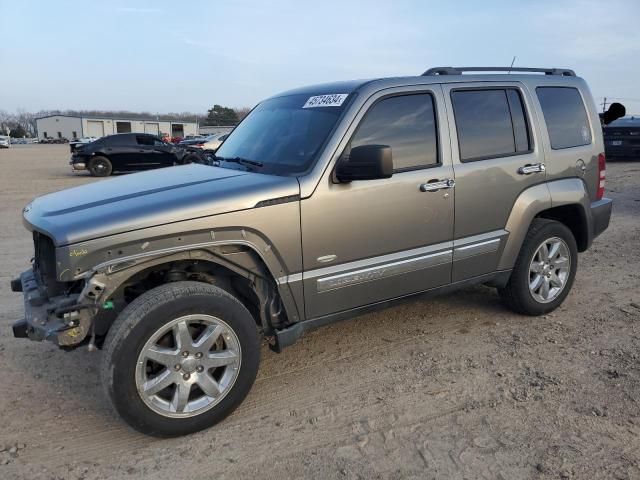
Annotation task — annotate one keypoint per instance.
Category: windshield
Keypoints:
(284, 134)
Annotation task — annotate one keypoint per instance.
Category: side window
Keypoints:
(490, 123)
(157, 142)
(565, 116)
(408, 125)
(144, 140)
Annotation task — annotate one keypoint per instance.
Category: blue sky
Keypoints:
(185, 56)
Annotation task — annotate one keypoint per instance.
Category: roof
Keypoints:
(115, 117)
(381, 83)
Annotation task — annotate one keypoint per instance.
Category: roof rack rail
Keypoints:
(565, 72)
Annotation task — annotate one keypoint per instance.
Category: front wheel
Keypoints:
(544, 271)
(180, 358)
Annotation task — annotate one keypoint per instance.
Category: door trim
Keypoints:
(385, 270)
(384, 266)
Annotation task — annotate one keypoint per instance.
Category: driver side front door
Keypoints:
(369, 241)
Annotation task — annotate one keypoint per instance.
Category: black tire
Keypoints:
(100, 166)
(191, 158)
(146, 315)
(516, 294)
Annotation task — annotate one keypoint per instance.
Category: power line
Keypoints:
(623, 98)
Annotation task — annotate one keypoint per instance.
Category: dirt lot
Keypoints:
(453, 387)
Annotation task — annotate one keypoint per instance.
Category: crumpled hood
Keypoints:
(141, 200)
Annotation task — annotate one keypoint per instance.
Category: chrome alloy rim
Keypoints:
(549, 270)
(188, 366)
(100, 166)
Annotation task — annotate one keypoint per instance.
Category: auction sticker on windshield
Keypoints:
(331, 100)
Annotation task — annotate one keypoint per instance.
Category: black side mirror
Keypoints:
(366, 162)
(615, 111)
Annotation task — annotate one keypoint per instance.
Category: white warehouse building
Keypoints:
(70, 127)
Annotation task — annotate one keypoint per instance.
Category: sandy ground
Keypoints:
(452, 387)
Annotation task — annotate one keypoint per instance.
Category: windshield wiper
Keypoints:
(240, 160)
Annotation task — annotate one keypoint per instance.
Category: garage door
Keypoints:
(152, 128)
(123, 127)
(177, 130)
(95, 128)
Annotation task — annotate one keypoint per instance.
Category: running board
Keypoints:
(288, 336)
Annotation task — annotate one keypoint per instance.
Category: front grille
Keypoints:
(44, 263)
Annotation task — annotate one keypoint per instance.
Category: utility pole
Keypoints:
(604, 105)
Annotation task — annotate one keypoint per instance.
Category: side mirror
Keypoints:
(366, 162)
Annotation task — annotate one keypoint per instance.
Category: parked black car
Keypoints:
(126, 152)
(622, 139)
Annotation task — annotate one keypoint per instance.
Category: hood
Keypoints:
(148, 199)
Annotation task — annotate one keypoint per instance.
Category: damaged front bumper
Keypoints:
(63, 319)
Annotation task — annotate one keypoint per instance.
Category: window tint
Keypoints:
(145, 140)
(490, 123)
(407, 124)
(519, 119)
(120, 140)
(565, 115)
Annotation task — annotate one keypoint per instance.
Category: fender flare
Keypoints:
(246, 262)
(531, 203)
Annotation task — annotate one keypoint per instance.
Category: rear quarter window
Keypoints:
(565, 116)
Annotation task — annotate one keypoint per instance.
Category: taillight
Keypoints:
(602, 172)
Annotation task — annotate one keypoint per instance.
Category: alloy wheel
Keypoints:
(188, 366)
(549, 270)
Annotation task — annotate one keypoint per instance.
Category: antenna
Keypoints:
(511, 66)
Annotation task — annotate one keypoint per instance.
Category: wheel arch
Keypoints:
(564, 200)
(222, 265)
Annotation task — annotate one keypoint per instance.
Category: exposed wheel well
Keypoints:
(257, 293)
(574, 218)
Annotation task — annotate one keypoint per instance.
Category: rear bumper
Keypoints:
(78, 163)
(623, 152)
(600, 216)
(78, 166)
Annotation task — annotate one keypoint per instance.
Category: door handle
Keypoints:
(434, 186)
(530, 168)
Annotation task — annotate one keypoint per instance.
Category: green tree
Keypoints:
(219, 115)
(18, 131)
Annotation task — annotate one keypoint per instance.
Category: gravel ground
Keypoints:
(452, 387)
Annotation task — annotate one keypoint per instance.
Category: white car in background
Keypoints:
(73, 144)
(5, 142)
(210, 142)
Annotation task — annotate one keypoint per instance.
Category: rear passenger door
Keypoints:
(496, 156)
(121, 150)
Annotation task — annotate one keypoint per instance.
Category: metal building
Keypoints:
(70, 127)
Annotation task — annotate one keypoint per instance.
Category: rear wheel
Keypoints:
(180, 358)
(544, 271)
(100, 166)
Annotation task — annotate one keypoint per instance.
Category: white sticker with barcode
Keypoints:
(331, 100)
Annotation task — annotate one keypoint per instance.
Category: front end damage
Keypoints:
(71, 301)
(64, 319)
(60, 312)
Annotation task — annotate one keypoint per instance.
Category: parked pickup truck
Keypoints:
(358, 194)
